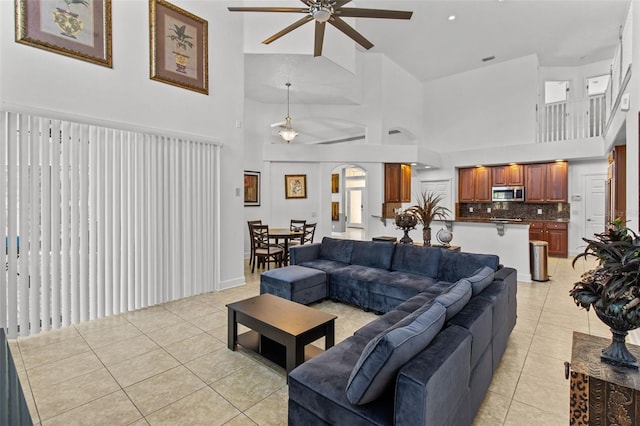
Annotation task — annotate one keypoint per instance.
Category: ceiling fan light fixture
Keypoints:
(321, 13)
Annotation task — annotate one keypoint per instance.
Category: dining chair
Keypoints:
(263, 251)
(308, 233)
(250, 223)
(296, 225)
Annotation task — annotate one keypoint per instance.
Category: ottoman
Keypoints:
(296, 283)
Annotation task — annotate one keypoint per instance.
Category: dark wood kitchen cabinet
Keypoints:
(397, 183)
(474, 185)
(546, 182)
(556, 234)
(507, 175)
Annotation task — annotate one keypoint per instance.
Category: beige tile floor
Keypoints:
(169, 364)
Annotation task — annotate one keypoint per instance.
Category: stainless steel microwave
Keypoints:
(507, 193)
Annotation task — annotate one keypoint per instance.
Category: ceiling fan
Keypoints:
(323, 11)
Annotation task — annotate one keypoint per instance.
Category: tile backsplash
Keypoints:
(514, 210)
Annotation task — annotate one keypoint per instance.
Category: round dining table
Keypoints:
(284, 234)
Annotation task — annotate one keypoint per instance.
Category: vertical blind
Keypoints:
(98, 221)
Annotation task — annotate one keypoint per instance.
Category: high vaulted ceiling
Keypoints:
(430, 45)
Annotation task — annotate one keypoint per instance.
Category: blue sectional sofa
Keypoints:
(429, 359)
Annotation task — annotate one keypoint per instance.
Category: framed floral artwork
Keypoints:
(79, 29)
(295, 186)
(178, 41)
(251, 188)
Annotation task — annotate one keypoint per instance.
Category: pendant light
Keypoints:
(287, 133)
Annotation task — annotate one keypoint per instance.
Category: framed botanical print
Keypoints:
(179, 52)
(79, 29)
(251, 188)
(295, 186)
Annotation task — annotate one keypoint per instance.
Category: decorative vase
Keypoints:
(181, 62)
(68, 22)
(617, 353)
(426, 236)
(406, 222)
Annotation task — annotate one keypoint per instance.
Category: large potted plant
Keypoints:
(426, 211)
(612, 288)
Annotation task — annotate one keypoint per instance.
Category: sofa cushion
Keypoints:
(324, 265)
(381, 324)
(417, 260)
(387, 353)
(481, 279)
(318, 385)
(455, 265)
(456, 298)
(376, 254)
(335, 249)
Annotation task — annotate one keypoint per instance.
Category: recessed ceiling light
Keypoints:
(452, 17)
(427, 167)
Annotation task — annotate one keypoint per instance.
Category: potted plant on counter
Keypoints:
(612, 288)
(426, 211)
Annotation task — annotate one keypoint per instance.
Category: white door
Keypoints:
(594, 204)
(442, 188)
(354, 208)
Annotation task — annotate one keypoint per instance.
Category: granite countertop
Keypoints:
(506, 220)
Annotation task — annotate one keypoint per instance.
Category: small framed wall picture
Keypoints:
(78, 29)
(295, 186)
(251, 188)
(179, 50)
(335, 183)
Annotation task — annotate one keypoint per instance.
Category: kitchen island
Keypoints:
(507, 239)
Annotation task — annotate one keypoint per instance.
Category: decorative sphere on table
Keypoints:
(444, 236)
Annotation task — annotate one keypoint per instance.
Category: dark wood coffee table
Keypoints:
(280, 329)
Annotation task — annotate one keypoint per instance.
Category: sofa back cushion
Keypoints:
(455, 265)
(456, 298)
(335, 249)
(416, 260)
(481, 279)
(375, 254)
(384, 355)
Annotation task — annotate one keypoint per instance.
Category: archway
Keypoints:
(349, 206)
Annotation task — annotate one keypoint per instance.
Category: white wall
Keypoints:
(488, 107)
(633, 125)
(35, 78)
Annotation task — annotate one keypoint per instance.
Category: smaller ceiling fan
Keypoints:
(323, 11)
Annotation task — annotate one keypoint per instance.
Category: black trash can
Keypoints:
(538, 252)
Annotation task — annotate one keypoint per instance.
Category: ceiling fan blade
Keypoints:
(340, 3)
(290, 28)
(319, 39)
(269, 9)
(373, 13)
(349, 31)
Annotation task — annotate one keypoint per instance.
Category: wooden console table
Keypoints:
(600, 393)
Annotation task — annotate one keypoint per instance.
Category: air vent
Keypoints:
(488, 58)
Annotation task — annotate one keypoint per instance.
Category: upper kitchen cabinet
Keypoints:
(507, 175)
(474, 185)
(546, 182)
(397, 183)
